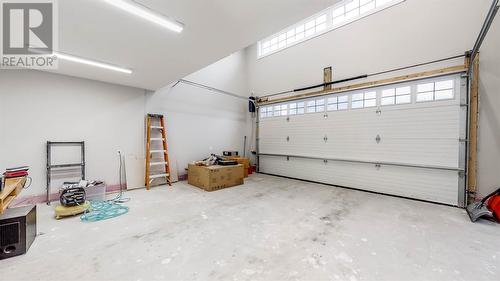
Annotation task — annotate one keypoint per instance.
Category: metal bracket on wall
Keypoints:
(288, 138)
(325, 138)
(378, 139)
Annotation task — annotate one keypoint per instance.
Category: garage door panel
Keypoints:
(440, 122)
(424, 184)
(415, 149)
(272, 135)
(340, 134)
(306, 134)
(420, 152)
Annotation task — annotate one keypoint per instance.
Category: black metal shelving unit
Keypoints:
(50, 167)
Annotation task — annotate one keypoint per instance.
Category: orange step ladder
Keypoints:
(156, 155)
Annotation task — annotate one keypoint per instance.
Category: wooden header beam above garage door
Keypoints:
(364, 85)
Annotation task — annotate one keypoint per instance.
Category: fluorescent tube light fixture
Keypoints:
(146, 13)
(71, 58)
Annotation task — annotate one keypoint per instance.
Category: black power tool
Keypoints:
(72, 196)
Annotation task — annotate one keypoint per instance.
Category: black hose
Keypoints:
(490, 195)
(362, 76)
(331, 83)
(416, 65)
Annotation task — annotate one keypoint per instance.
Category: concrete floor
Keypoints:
(269, 229)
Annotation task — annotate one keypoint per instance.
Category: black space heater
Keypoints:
(17, 231)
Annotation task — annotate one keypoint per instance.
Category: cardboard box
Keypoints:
(215, 177)
(243, 161)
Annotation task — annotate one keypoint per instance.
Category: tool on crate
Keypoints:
(215, 159)
(230, 153)
(156, 123)
(488, 208)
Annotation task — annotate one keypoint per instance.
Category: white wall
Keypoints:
(200, 122)
(414, 31)
(36, 107)
(489, 112)
(39, 106)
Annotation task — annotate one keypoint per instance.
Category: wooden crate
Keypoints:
(213, 178)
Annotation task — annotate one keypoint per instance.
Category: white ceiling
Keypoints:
(213, 29)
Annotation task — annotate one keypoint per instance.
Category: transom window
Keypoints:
(296, 108)
(313, 106)
(429, 90)
(331, 18)
(280, 110)
(440, 90)
(354, 8)
(400, 95)
(338, 103)
(363, 100)
(266, 111)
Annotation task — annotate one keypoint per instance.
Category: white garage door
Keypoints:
(405, 139)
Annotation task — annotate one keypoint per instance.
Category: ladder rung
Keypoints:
(157, 139)
(158, 176)
(157, 163)
(158, 151)
(157, 127)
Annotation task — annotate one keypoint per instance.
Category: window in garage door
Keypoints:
(400, 95)
(439, 90)
(363, 100)
(338, 103)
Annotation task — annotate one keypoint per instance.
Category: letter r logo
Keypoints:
(27, 28)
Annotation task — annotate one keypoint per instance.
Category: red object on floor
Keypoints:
(15, 174)
(250, 170)
(494, 205)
